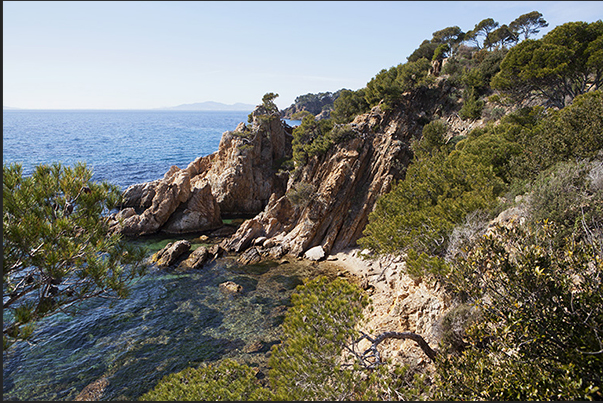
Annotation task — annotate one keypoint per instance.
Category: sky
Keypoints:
(154, 54)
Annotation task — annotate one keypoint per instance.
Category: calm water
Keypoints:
(124, 147)
(171, 320)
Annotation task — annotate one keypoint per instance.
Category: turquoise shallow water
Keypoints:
(171, 321)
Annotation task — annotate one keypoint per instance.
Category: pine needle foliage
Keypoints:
(57, 249)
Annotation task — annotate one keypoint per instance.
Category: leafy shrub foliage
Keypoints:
(439, 190)
(225, 380)
(541, 307)
(310, 138)
(388, 85)
(349, 105)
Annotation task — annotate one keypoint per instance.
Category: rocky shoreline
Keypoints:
(246, 177)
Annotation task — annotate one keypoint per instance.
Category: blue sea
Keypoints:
(172, 320)
(122, 146)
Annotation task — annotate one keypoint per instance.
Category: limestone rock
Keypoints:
(169, 193)
(140, 195)
(195, 260)
(200, 212)
(250, 256)
(239, 178)
(231, 287)
(170, 253)
(315, 253)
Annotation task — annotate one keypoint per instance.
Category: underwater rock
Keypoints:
(231, 287)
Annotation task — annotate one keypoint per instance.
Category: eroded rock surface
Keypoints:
(237, 179)
(344, 185)
(170, 254)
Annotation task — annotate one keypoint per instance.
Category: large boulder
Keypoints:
(315, 253)
(238, 179)
(200, 212)
(168, 193)
(195, 260)
(170, 254)
(230, 287)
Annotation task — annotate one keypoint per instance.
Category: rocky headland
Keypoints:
(316, 212)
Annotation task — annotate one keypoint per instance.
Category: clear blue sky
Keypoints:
(151, 54)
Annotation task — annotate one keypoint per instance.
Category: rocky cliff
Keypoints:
(238, 179)
(341, 186)
(322, 205)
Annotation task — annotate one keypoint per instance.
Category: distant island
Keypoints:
(212, 106)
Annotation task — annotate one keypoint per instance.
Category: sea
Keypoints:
(122, 146)
(171, 320)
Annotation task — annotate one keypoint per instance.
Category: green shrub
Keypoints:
(225, 380)
(349, 105)
(437, 193)
(433, 138)
(310, 138)
(541, 307)
(565, 195)
(388, 85)
(472, 105)
(549, 137)
(301, 193)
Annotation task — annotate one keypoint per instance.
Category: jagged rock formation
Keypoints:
(346, 182)
(238, 179)
(341, 185)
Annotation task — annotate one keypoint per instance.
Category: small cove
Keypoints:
(172, 320)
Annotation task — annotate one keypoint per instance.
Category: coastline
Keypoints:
(398, 303)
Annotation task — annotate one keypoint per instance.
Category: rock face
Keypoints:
(170, 254)
(195, 260)
(325, 203)
(345, 183)
(238, 179)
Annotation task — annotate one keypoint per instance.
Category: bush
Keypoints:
(388, 85)
(436, 194)
(541, 307)
(433, 138)
(349, 105)
(225, 380)
(301, 193)
(472, 105)
(310, 138)
(549, 137)
(566, 195)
